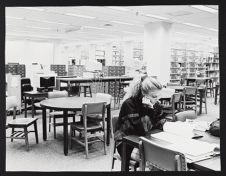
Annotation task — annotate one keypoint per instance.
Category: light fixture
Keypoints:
(118, 8)
(193, 25)
(92, 27)
(181, 33)
(156, 16)
(78, 15)
(131, 32)
(16, 18)
(32, 8)
(120, 22)
(205, 8)
(212, 29)
(38, 27)
(51, 22)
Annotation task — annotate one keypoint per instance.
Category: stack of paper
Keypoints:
(192, 149)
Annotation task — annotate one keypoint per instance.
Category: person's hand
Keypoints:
(146, 101)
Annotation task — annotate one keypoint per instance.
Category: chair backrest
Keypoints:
(11, 102)
(114, 120)
(190, 90)
(104, 97)
(176, 98)
(93, 108)
(160, 157)
(57, 94)
(200, 82)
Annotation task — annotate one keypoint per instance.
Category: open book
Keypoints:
(193, 150)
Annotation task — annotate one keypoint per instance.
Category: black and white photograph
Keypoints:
(111, 88)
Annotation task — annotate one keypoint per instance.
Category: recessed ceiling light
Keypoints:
(120, 22)
(16, 18)
(131, 32)
(78, 15)
(107, 24)
(156, 16)
(32, 8)
(118, 8)
(205, 8)
(193, 25)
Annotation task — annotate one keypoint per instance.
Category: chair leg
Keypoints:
(70, 140)
(36, 131)
(84, 91)
(90, 91)
(49, 123)
(26, 138)
(54, 127)
(86, 145)
(12, 133)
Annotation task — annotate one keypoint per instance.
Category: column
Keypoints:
(157, 50)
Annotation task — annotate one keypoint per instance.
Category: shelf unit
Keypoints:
(138, 53)
(60, 70)
(117, 56)
(100, 56)
(212, 66)
(16, 69)
(186, 63)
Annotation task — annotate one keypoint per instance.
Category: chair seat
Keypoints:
(37, 105)
(21, 122)
(91, 126)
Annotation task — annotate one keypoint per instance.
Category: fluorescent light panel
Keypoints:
(78, 15)
(118, 8)
(156, 16)
(193, 25)
(92, 27)
(32, 8)
(38, 27)
(120, 22)
(16, 18)
(205, 8)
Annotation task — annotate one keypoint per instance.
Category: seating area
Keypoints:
(110, 88)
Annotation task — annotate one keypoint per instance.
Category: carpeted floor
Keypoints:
(48, 155)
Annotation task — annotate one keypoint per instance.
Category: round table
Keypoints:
(66, 104)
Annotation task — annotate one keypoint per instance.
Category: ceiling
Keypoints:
(93, 23)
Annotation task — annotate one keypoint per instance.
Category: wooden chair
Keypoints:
(210, 88)
(92, 127)
(189, 99)
(86, 89)
(115, 156)
(160, 157)
(21, 123)
(204, 101)
(174, 105)
(58, 114)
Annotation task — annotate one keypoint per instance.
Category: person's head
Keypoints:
(150, 88)
(144, 86)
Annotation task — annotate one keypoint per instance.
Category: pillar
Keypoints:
(157, 50)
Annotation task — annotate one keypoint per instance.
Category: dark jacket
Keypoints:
(130, 121)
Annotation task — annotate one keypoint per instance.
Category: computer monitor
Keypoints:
(47, 81)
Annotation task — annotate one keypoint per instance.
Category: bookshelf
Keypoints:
(100, 56)
(117, 56)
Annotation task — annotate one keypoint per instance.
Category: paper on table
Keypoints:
(179, 128)
(194, 150)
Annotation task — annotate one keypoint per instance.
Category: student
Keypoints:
(140, 111)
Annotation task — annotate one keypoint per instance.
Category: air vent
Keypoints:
(180, 13)
(108, 25)
(72, 29)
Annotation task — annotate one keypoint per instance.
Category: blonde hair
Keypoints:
(142, 85)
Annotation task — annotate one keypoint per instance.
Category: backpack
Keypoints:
(215, 128)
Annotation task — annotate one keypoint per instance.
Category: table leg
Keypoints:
(201, 92)
(124, 162)
(32, 106)
(108, 123)
(25, 106)
(44, 130)
(65, 133)
(216, 92)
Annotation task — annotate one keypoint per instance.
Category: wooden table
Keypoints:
(66, 104)
(193, 79)
(201, 93)
(212, 164)
(33, 95)
(106, 79)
